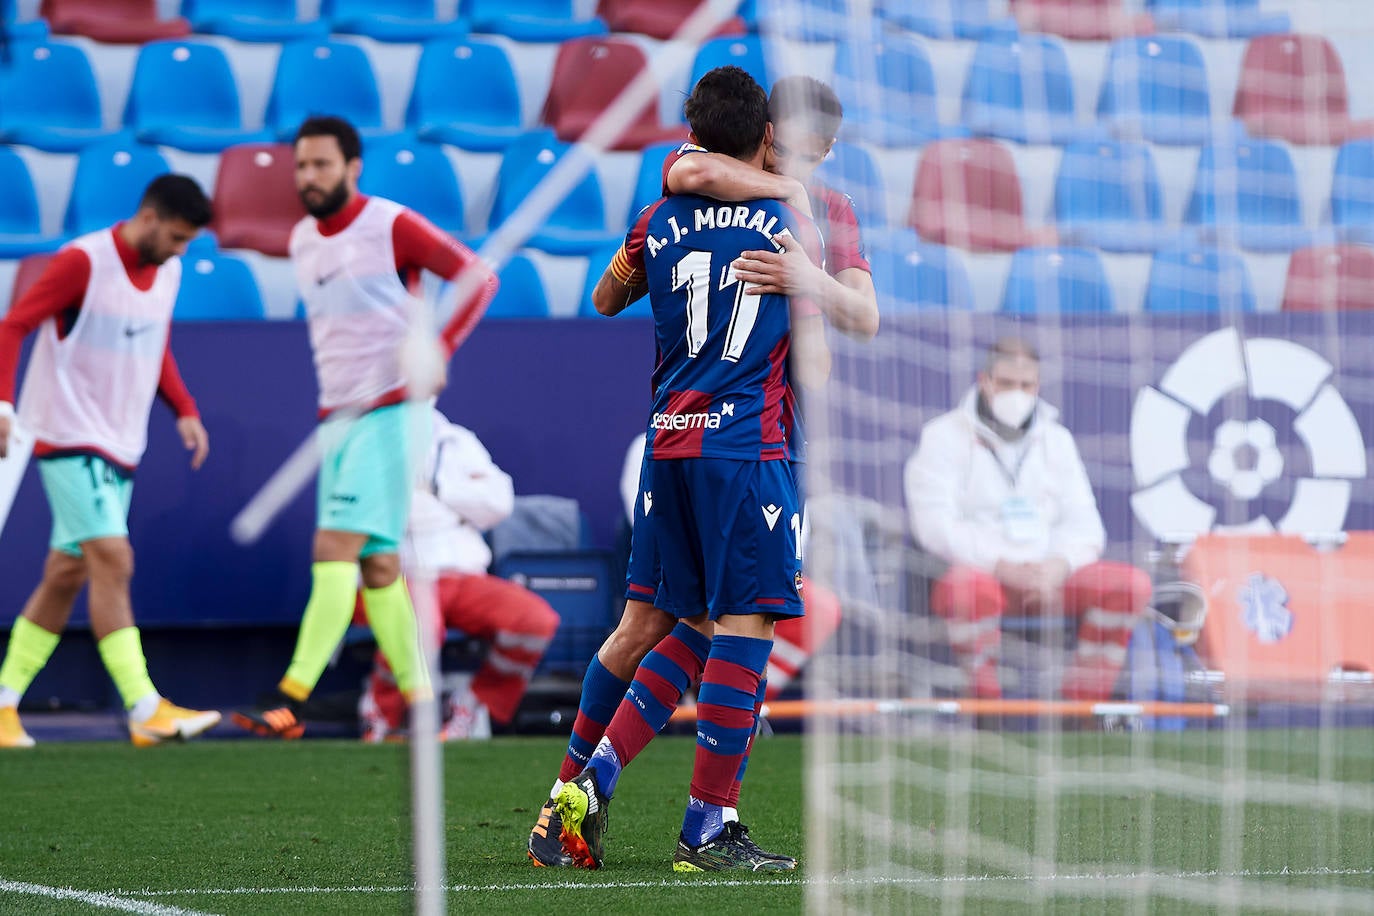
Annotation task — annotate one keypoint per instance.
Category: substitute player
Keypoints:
(103, 311)
(357, 259)
(721, 505)
(806, 117)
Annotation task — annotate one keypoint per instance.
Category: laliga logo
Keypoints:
(1244, 456)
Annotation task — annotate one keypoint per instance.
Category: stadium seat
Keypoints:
(30, 269)
(1081, 20)
(1056, 280)
(1246, 193)
(965, 19)
(530, 20)
(744, 51)
(1217, 18)
(253, 20)
(481, 121)
(1107, 195)
(21, 228)
(323, 77)
(806, 20)
(910, 274)
(1293, 87)
(49, 99)
(391, 20)
(887, 87)
(657, 18)
(851, 169)
(649, 181)
(26, 31)
(255, 198)
(597, 262)
(113, 21)
(1336, 278)
(1156, 89)
(967, 194)
(588, 74)
(184, 95)
(418, 175)
(578, 224)
(111, 177)
(1352, 191)
(521, 294)
(1199, 280)
(217, 287)
(1020, 88)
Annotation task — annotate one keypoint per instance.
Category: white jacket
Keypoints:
(461, 494)
(975, 499)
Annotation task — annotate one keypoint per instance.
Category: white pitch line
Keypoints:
(95, 899)
(743, 882)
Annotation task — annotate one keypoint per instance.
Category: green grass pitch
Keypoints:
(322, 826)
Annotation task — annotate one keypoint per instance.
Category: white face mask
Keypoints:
(1012, 408)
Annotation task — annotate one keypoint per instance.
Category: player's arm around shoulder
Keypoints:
(696, 171)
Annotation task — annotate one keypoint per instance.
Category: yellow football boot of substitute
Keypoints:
(171, 723)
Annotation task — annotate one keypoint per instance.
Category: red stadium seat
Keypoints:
(967, 194)
(1081, 20)
(1338, 278)
(1292, 87)
(114, 21)
(587, 76)
(658, 18)
(30, 269)
(255, 198)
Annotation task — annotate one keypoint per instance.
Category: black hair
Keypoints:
(178, 197)
(728, 112)
(807, 98)
(330, 126)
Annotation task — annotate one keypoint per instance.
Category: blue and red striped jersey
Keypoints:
(721, 382)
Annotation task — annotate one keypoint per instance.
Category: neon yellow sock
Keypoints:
(30, 648)
(392, 617)
(122, 653)
(327, 613)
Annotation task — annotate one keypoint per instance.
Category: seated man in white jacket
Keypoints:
(997, 490)
(462, 494)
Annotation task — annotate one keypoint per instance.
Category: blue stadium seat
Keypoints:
(1019, 88)
(649, 182)
(391, 20)
(21, 228)
(1217, 18)
(530, 20)
(1352, 191)
(111, 177)
(851, 169)
(482, 121)
(1156, 89)
(578, 224)
(1108, 196)
(910, 274)
(597, 262)
(806, 20)
(1199, 280)
(323, 77)
(965, 19)
(887, 87)
(184, 95)
(1056, 280)
(30, 30)
(252, 20)
(217, 287)
(49, 98)
(418, 175)
(521, 294)
(1247, 193)
(744, 51)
